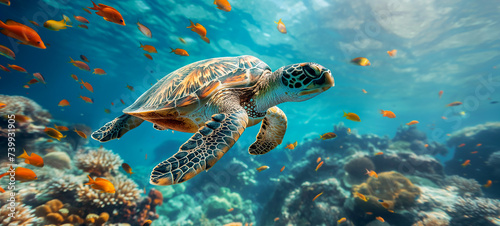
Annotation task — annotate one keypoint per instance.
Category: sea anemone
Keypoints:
(100, 162)
(23, 215)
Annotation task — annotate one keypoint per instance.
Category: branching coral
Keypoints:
(466, 187)
(100, 162)
(126, 194)
(23, 215)
(474, 211)
(64, 188)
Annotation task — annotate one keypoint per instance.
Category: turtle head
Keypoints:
(305, 80)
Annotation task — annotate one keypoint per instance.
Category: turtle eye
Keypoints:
(312, 71)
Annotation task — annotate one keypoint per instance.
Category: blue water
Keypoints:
(442, 45)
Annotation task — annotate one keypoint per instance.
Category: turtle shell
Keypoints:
(191, 86)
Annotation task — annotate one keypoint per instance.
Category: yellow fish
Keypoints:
(352, 116)
(53, 133)
(57, 25)
(291, 146)
(262, 168)
(281, 26)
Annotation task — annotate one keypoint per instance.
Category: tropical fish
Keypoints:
(461, 145)
(101, 184)
(477, 145)
(144, 30)
(281, 26)
(426, 145)
(276, 219)
(2, 105)
(21, 32)
(352, 116)
(282, 168)
(474, 152)
(385, 205)
(5, 2)
(80, 64)
(81, 19)
(33, 22)
(392, 53)
(318, 195)
(39, 77)
(99, 71)
(348, 130)
(87, 99)
(127, 168)
(148, 48)
(440, 93)
(361, 196)
(380, 219)
(51, 132)
(4, 68)
(83, 26)
(49, 140)
(17, 68)
(84, 58)
(131, 88)
(121, 100)
(223, 5)
(4, 51)
(328, 136)
(369, 213)
(456, 103)
(147, 222)
(21, 118)
(361, 61)
(230, 209)
(341, 220)
(379, 153)
(180, 52)
(86, 10)
(318, 159)
(488, 184)
(291, 146)
(413, 122)
(262, 168)
(148, 56)
(198, 28)
(63, 103)
(319, 165)
(388, 114)
(74, 77)
(26, 86)
(444, 118)
(466, 163)
(57, 25)
(106, 110)
(205, 39)
(87, 86)
(371, 173)
(364, 91)
(61, 128)
(146, 157)
(81, 134)
(32, 81)
(21, 174)
(108, 13)
(32, 159)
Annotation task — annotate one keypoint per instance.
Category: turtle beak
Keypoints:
(320, 85)
(329, 82)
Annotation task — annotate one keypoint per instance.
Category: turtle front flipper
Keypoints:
(116, 128)
(203, 149)
(271, 132)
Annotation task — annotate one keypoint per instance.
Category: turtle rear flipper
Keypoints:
(203, 149)
(271, 132)
(116, 128)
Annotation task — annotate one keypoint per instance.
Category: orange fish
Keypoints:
(466, 163)
(281, 26)
(388, 114)
(380, 219)
(79, 64)
(230, 209)
(180, 52)
(477, 145)
(461, 145)
(146, 157)
(83, 26)
(17, 68)
(148, 222)
(276, 219)
(379, 153)
(318, 160)
(348, 130)
(206, 39)
(392, 53)
(5, 2)
(148, 56)
(474, 152)
(87, 99)
(4, 68)
(74, 77)
(21, 174)
(328, 136)
(49, 140)
(99, 71)
(444, 118)
(352, 116)
(456, 103)
(127, 168)
(81, 19)
(369, 213)
(371, 173)
(5, 51)
(262, 168)
(319, 165)
(341, 220)
(198, 28)
(361, 196)
(101, 184)
(39, 77)
(86, 10)
(61, 128)
(2, 105)
(87, 86)
(121, 100)
(223, 5)
(84, 58)
(148, 48)
(413, 122)
(182, 40)
(426, 145)
(144, 30)
(385, 205)
(108, 13)
(488, 184)
(32, 81)
(131, 88)
(81, 134)
(440, 93)
(1, 189)
(291, 146)
(32, 159)
(282, 168)
(364, 91)
(34, 23)
(63, 103)
(21, 32)
(361, 61)
(51, 132)
(315, 197)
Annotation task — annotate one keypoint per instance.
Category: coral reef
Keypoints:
(54, 212)
(356, 168)
(126, 194)
(474, 211)
(181, 210)
(100, 162)
(409, 137)
(466, 187)
(59, 160)
(409, 163)
(216, 208)
(23, 215)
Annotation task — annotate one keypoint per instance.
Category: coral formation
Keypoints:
(23, 215)
(58, 160)
(474, 211)
(126, 194)
(100, 162)
(54, 212)
(356, 168)
(409, 163)
(466, 187)
(216, 205)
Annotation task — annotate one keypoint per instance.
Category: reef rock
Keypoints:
(58, 160)
(409, 163)
(475, 211)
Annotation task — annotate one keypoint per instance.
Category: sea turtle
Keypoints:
(216, 99)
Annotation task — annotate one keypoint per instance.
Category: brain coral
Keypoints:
(98, 162)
